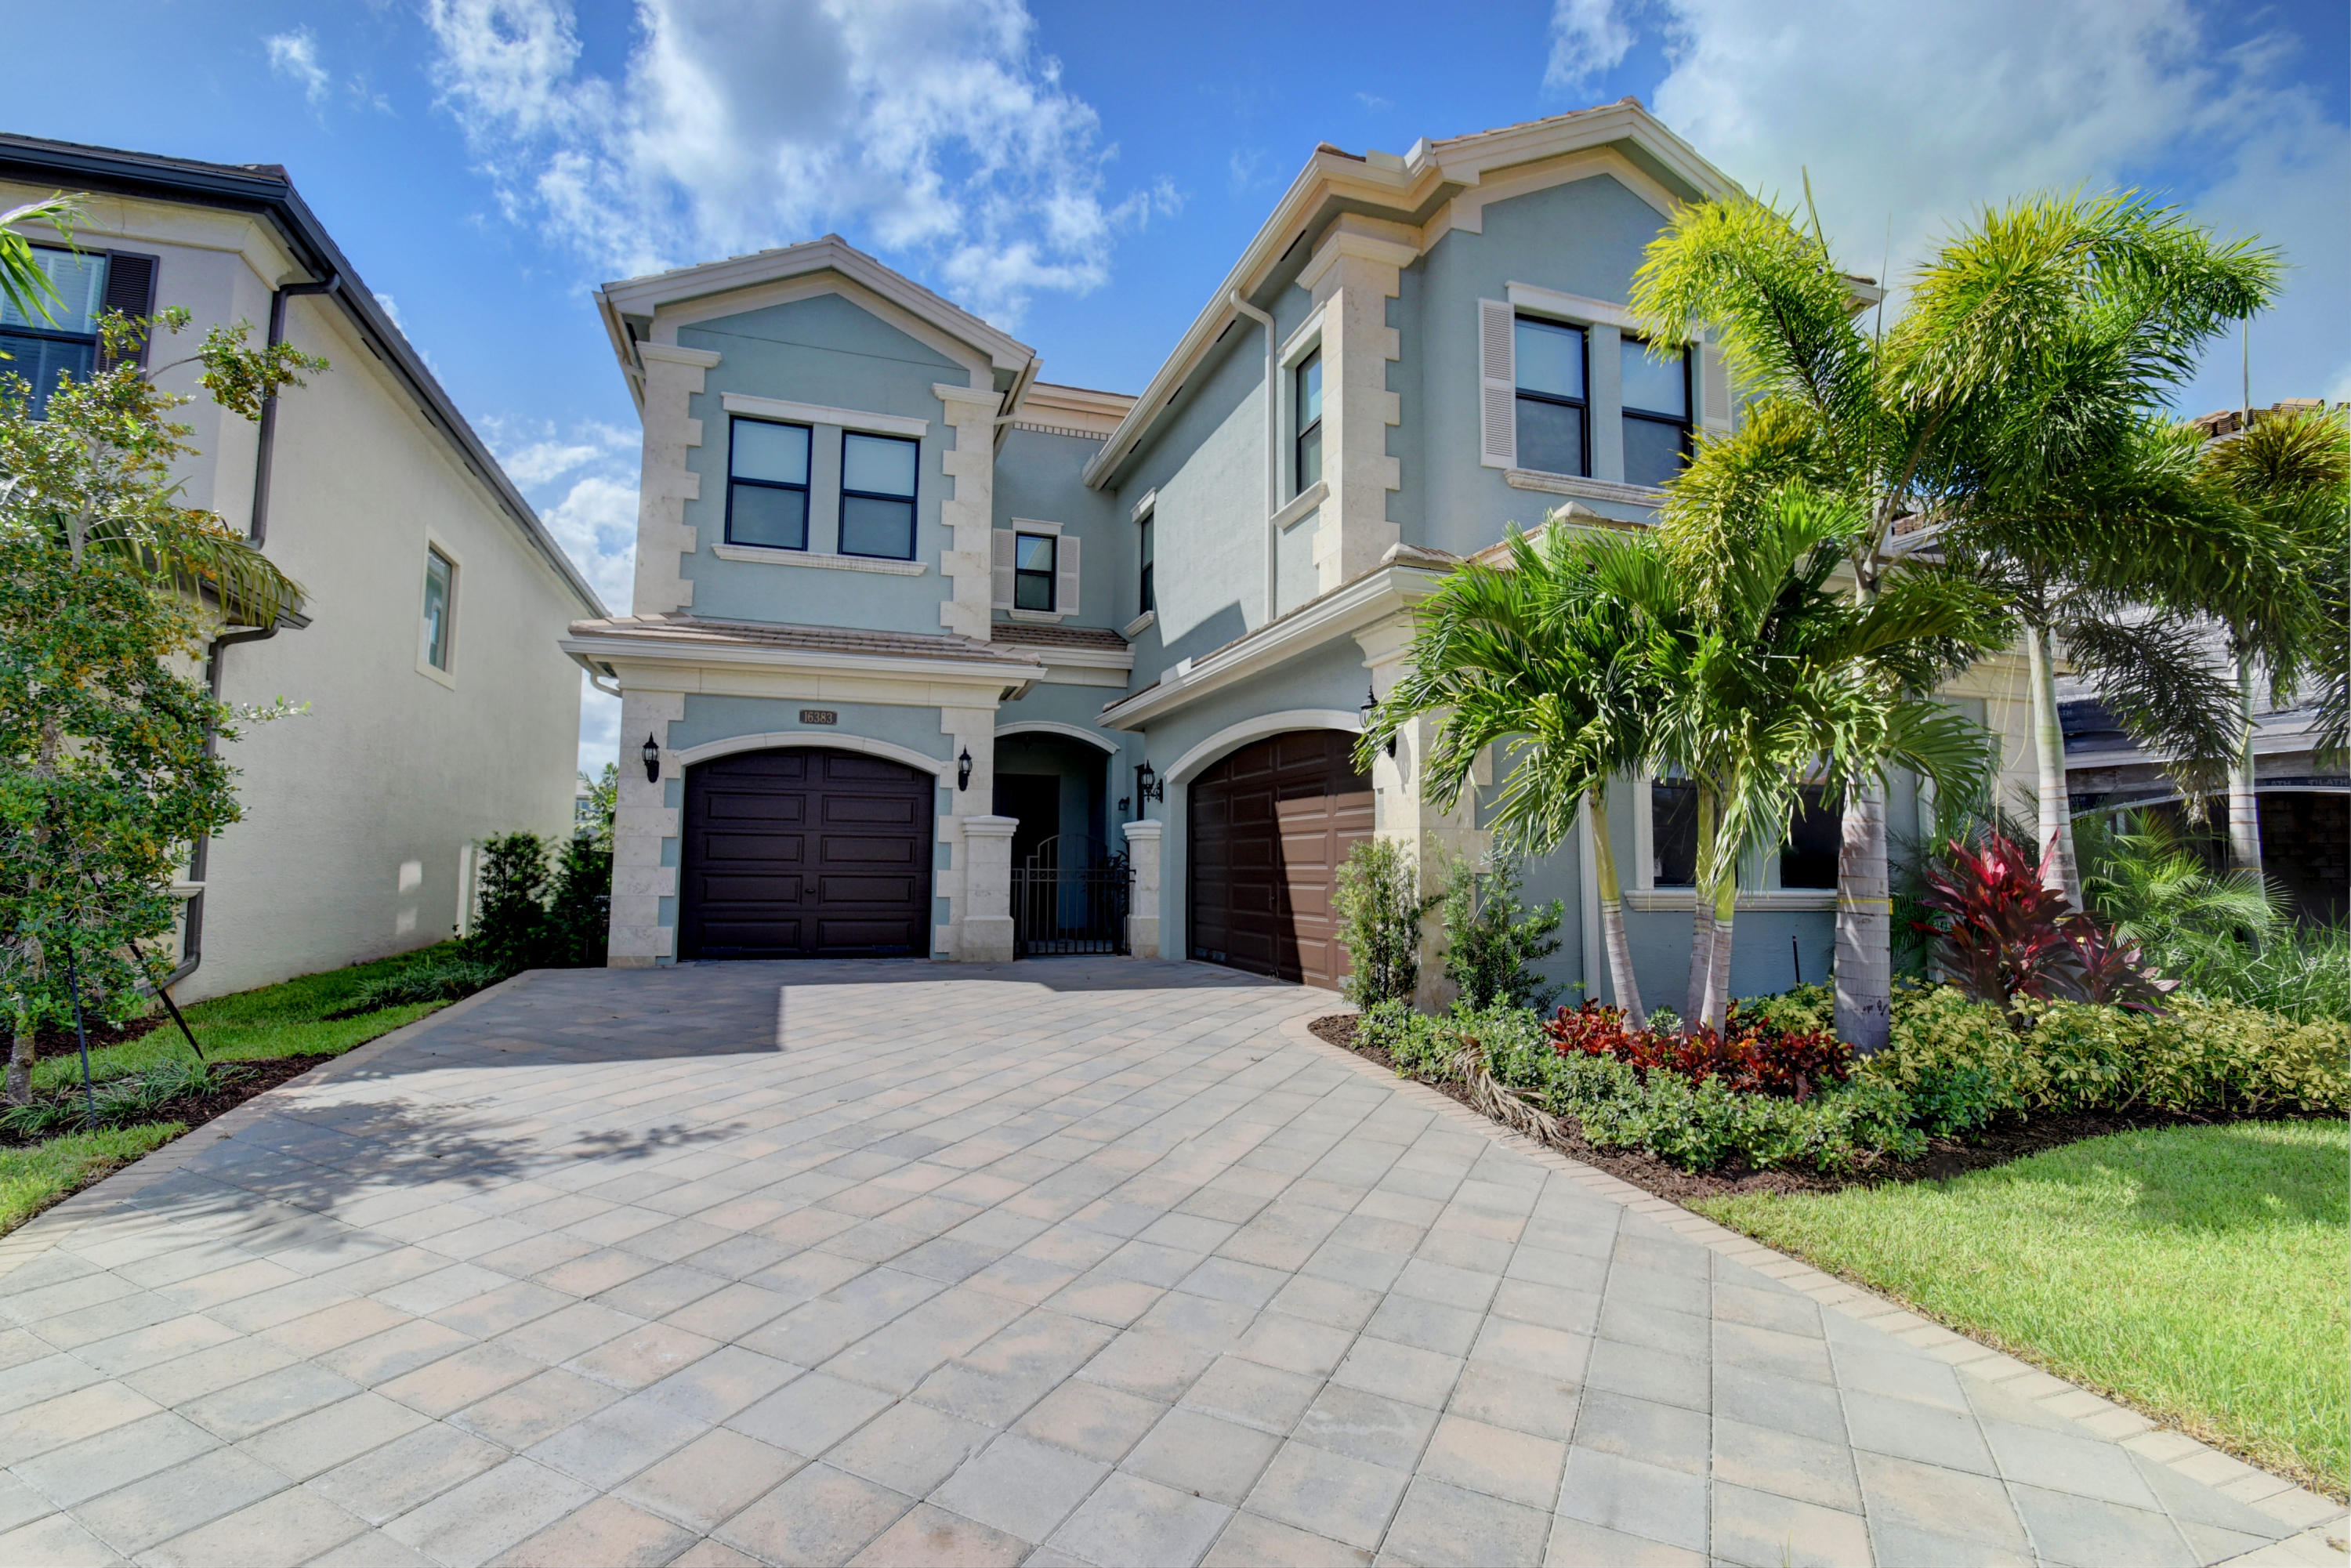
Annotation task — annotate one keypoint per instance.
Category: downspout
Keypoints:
(1272, 445)
(259, 530)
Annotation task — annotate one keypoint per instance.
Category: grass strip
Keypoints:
(2195, 1272)
(34, 1177)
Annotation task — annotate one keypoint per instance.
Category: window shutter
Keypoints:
(1065, 579)
(1714, 388)
(1498, 385)
(131, 287)
(1003, 568)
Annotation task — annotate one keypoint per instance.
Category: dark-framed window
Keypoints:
(1815, 832)
(1673, 834)
(1657, 413)
(877, 494)
(66, 344)
(767, 483)
(1149, 600)
(440, 607)
(1033, 558)
(1307, 392)
(1554, 408)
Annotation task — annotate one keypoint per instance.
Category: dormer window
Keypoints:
(767, 485)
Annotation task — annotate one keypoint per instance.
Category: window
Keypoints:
(1553, 412)
(1657, 413)
(767, 485)
(1032, 571)
(877, 496)
(1815, 832)
(1673, 834)
(440, 603)
(1309, 423)
(42, 350)
(1149, 600)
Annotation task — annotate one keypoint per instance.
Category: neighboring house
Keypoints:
(439, 710)
(903, 610)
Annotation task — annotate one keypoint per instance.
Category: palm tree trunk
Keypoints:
(1717, 977)
(2058, 871)
(1702, 963)
(1865, 925)
(1612, 916)
(2244, 805)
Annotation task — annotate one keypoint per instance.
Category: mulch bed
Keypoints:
(1944, 1157)
(259, 1077)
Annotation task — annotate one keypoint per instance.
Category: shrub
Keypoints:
(1380, 905)
(441, 980)
(1789, 1065)
(2001, 935)
(578, 916)
(124, 1101)
(529, 916)
(1493, 940)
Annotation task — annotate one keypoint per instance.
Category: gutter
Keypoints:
(192, 919)
(265, 449)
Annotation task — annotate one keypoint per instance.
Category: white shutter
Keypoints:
(1004, 569)
(1498, 385)
(1065, 575)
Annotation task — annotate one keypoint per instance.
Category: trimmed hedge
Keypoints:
(1953, 1067)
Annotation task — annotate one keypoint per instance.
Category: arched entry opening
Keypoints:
(1267, 827)
(807, 853)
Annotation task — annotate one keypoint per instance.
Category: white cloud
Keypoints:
(1911, 118)
(295, 56)
(600, 729)
(583, 481)
(1587, 37)
(596, 524)
(931, 128)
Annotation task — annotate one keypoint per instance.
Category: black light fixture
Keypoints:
(962, 770)
(1369, 712)
(1148, 785)
(652, 754)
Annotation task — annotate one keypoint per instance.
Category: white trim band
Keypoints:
(818, 413)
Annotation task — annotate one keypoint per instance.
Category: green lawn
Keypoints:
(2197, 1272)
(284, 1019)
(34, 1177)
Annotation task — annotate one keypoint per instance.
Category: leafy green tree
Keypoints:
(2290, 473)
(2010, 415)
(108, 587)
(604, 803)
(1380, 905)
(510, 923)
(1493, 941)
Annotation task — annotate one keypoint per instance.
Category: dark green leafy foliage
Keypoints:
(1494, 940)
(532, 915)
(124, 1101)
(1380, 905)
(440, 980)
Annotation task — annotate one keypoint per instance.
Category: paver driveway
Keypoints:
(1075, 1260)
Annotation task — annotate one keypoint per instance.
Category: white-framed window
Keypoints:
(1033, 570)
(439, 630)
(1306, 404)
(1148, 600)
(1036, 570)
(767, 483)
(1655, 394)
(1552, 415)
(877, 494)
(1672, 835)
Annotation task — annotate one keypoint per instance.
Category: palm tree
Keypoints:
(23, 287)
(1561, 656)
(2024, 372)
(2290, 473)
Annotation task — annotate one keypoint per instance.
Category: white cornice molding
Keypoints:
(947, 391)
(1136, 627)
(1587, 489)
(1355, 235)
(1388, 590)
(626, 650)
(764, 555)
(820, 413)
(1300, 505)
(671, 353)
(1081, 658)
(1575, 307)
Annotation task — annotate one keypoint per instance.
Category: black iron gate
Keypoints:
(1070, 896)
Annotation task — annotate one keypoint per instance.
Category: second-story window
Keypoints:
(1553, 408)
(1032, 571)
(877, 496)
(1309, 395)
(1656, 414)
(767, 485)
(440, 606)
(1149, 600)
(66, 344)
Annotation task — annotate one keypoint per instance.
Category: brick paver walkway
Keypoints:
(1078, 1260)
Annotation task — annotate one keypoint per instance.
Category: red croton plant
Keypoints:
(2000, 934)
(1751, 1056)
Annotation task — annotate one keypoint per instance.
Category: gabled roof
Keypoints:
(266, 192)
(1411, 189)
(632, 301)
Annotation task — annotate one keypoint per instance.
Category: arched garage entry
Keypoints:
(805, 853)
(1267, 829)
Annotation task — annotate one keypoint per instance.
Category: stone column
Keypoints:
(967, 561)
(987, 935)
(1143, 912)
(642, 819)
(1354, 273)
(673, 376)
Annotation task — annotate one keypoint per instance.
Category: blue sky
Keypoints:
(1083, 173)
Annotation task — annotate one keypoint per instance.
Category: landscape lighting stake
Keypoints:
(81, 1038)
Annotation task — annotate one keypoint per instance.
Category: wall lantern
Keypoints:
(1148, 785)
(962, 770)
(1369, 713)
(652, 754)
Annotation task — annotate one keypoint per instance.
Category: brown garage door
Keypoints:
(1269, 826)
(805, 855)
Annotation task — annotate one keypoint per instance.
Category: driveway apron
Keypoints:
(1083, 1260)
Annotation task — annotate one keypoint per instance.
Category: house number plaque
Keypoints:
(819, 715)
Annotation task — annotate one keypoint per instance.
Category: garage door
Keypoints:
(1269, 826)
(806, 854)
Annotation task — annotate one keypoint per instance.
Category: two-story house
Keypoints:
(438, 710)
(904, 610)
